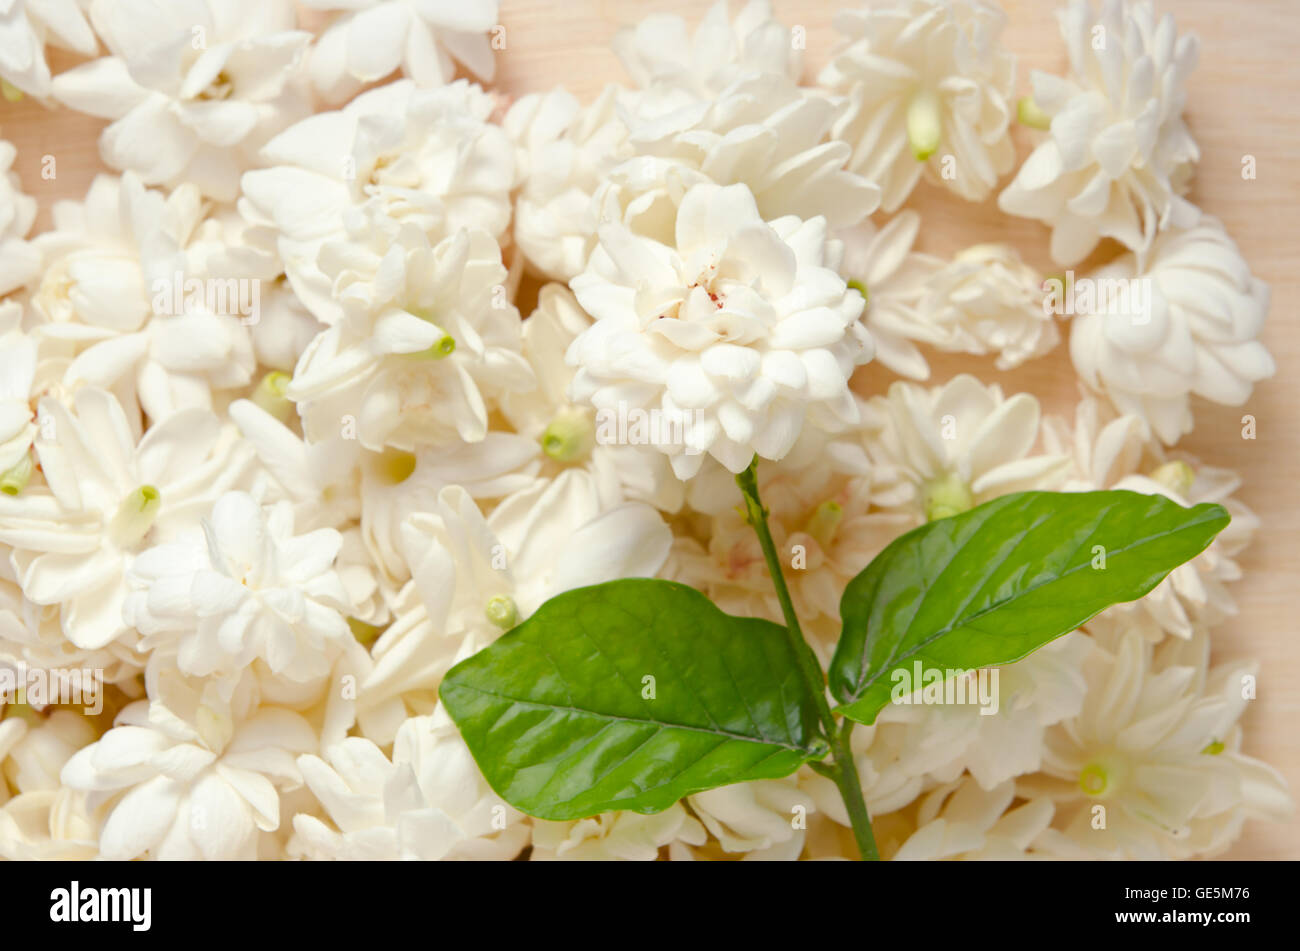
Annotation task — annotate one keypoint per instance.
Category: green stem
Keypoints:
(842, 769)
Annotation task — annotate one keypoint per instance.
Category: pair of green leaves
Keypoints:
(634, 694)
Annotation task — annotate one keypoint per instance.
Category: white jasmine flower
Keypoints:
(1118, 155)
(243, 587)
(428, 803)
(27, 26)
(959, 445)
(114, 290)
(987, 300)
(34, 753)
(741, 328)
(570, 434)
(369, 39)
(660, 53)
(427, 333)
(765, 819)
(1188, 323)
(430, 155)
(194, 87)
(475, 577)
(18, 352)
(564, 152)
(994, 743)
(963, 820)
(1156, 745)
(762, 131)
(616, 836)
(880, 264)
(32, 635)
(188, 775)
(928, 90)
(19, 261)
(48, 825)
(104, 499)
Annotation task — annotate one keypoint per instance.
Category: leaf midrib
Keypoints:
(895, 659)
(647, 721)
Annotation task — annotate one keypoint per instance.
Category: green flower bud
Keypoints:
(502, 612)
(1029, 114)
(945, 496)
(924, 124)
(135, 516)
(14, 479)
(570, 436)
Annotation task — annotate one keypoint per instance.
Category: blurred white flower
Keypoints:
(428, 803)
(18, 352)
(1185, 319)
(928, 90)
(963, 820)
(660, 53)
(1118, 155)
(740, 333)
(616, 836)
(19, 261)
(26, 26)
(959, 445)
(987, 300)
(242, 587)
(368, 39)
(194, 87)
(1157, 746)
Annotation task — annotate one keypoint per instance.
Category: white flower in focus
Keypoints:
(241, 588)
(115, 291)
(659, 53)
(194, 87)
(928, 90)
(1185, 319)
(959, 445)
(880, 264)
(1158, 745)
(188, 775)
(105, 498)
(428, 803)
(564, 152)
(987, 300)
(427, 334)
(1118, 155)
(26, 26)
(741, 332)
(369, 39)
(19, 261)
(428, 155)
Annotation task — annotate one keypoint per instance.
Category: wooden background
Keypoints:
(1243, 100)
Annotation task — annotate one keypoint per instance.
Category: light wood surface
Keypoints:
(1244, 99)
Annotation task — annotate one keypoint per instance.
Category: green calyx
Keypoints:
(924, 124)
(945, 496)
(14, 479)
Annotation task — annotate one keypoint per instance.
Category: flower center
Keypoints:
(502, 612)
(270, 395)
(396, 466)
(14, 479)
(570, 436)
(945, 496)
(1029, 114)
(1095, 780)
(823, 522)
(861, 288)
(135, 516)
(220, 89)
(924, 123)
(1176, 476)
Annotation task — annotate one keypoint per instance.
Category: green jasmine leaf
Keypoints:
(631, 695)
(995, 583)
